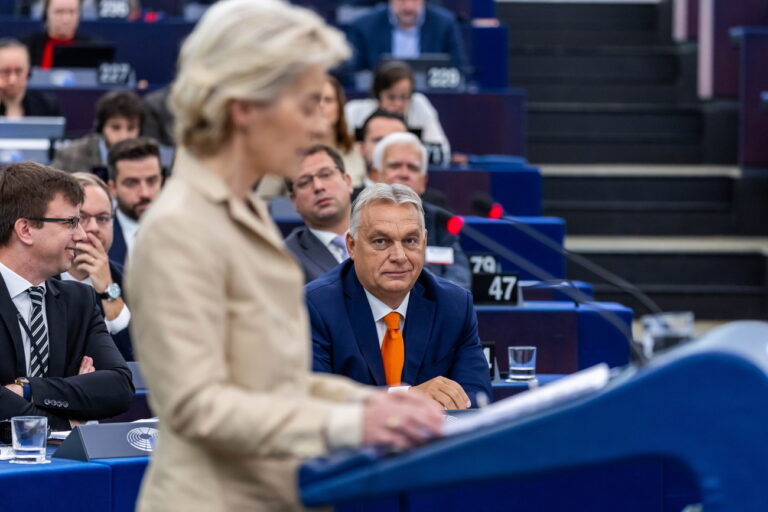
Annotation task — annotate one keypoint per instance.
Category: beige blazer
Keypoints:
(220, 329)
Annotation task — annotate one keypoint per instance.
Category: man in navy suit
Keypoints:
(378, 318)
(405, 29)
(321, 195)
(135, 178)
(56, 357)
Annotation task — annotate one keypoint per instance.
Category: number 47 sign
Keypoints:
(497, 288)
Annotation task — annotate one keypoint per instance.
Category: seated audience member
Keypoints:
(92, 265)
(135, 179)
(336, 133)
(62, 18)
(405, 29)
(322, 196)
(118, 117)
(375, 127)
(15, 99)
(56, 357)
(401, 158)
(158, 119)
(392, 90)
(378, 318)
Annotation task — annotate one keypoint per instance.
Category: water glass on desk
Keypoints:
(522, 363)
(666, 330)
(29, 435)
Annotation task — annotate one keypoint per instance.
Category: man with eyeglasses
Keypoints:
(56, 357)
(92, 265)
(135, 179)
(321, 195)
(15, 99)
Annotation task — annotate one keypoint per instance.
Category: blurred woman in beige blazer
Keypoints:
(219, 322)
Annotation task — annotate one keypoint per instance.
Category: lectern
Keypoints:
(701, 408)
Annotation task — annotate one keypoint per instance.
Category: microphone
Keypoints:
(572, 292)
(486, 207)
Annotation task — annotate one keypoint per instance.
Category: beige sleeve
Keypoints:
(176, 282)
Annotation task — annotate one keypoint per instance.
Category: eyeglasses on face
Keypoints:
(102, 219)
(71, 222)
(324, 174)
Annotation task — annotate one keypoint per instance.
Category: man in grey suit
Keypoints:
(321, 194)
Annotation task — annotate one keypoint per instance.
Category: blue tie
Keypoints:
(340, 242)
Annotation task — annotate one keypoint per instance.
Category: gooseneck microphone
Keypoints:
(456, 224)
(484, 206)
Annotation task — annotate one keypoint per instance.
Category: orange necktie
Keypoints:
(393, 350)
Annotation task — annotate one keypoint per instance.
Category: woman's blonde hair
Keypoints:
(249, 50)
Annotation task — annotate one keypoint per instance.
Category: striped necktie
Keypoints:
(340, 241)
(38, 342)
(393, 350)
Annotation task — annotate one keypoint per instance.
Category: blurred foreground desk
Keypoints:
(692, 418)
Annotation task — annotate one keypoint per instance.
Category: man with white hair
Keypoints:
(379, 319)
(401, 158)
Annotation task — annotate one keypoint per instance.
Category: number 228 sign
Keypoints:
(500, 288)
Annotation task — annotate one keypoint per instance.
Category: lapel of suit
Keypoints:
(56, 314)
(361, 318)
(316, 251)
(9, 315)
(118, 249)
(418, 330)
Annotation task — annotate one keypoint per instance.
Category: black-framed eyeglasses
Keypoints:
(324, 174)
(71, 222)
(102, 219)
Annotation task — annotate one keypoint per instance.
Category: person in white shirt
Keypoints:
(135, 179)
(92, 265)
(321, 194)
(392, 90)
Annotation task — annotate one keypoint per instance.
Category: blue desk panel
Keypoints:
(516, 188)
(126, 481)
(62, 485)
(568, 337)
(509, 237)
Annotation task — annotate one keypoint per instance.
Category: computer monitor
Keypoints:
(32, 127)
(83, 55)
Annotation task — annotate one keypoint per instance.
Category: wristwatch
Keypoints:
(112, 292)
(24, 383)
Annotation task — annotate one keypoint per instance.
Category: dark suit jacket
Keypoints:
(371, 36)
(80, 155)
(440, 333)
(315, 258)
(36, 103)
(119, 249)
(122, 339)
(36, 44)
(75, 329)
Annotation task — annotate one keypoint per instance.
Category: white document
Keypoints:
(529, 402)
(439, 255)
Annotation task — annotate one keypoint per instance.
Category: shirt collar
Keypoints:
(380, 310)
(127, 224)
(326, 237)
(417, 26)
(15, 283)
(66, 276)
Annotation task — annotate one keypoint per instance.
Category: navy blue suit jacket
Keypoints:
(440, 333)
(371, 36)
(119, 248)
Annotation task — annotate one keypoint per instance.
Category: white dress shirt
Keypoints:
(120, 322)
(327, 237)
(17, 288)
(130, 227)
(380, 310)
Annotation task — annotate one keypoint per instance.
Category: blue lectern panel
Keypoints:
(698, 407)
